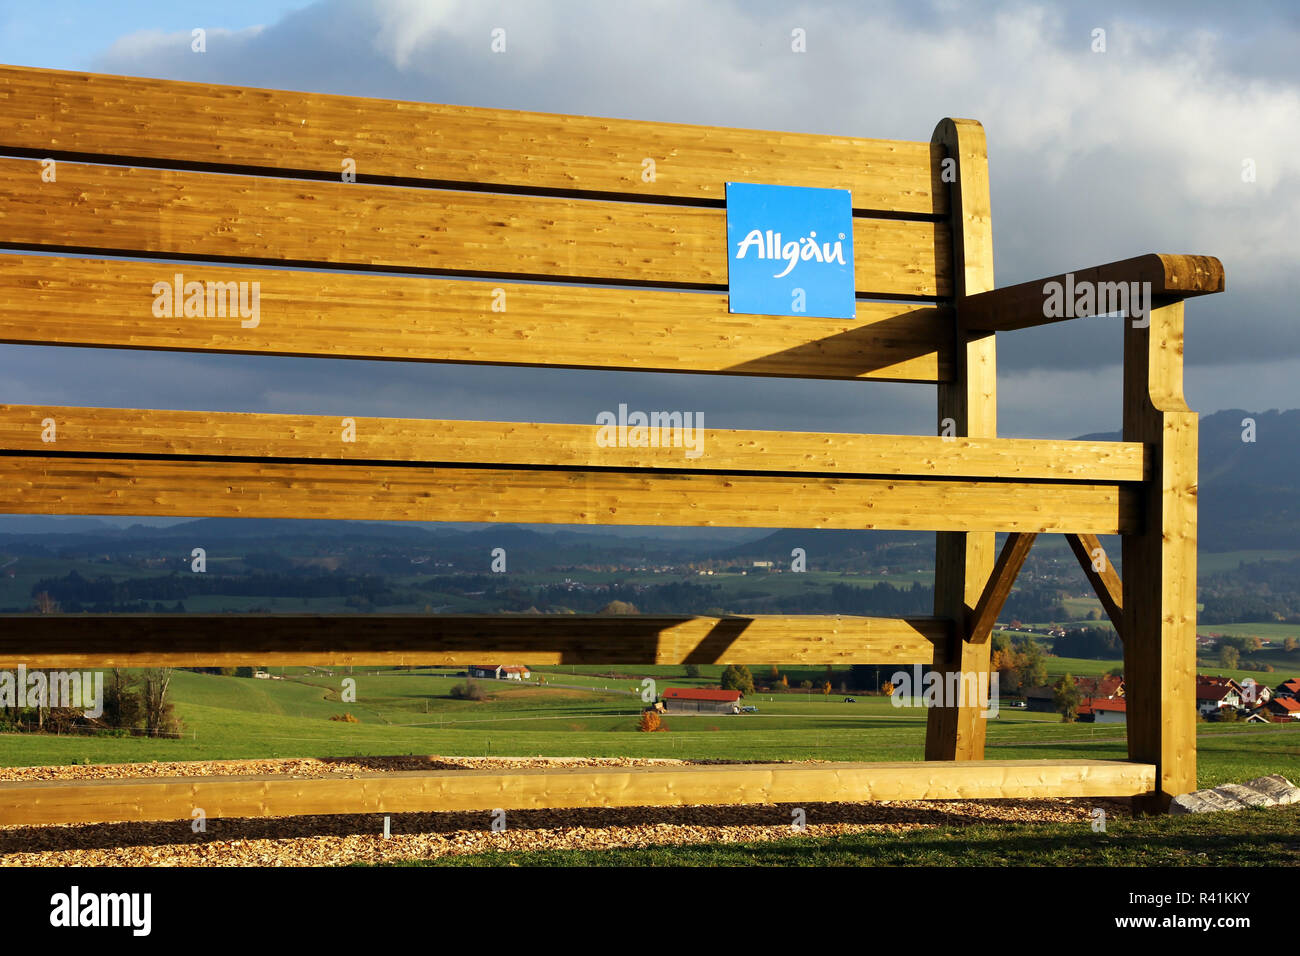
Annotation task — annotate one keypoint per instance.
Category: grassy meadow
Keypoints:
(581, 711)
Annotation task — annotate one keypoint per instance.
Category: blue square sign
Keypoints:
(790, 251)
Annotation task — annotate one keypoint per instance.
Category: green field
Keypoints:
(1210, 562)
(1077, 666)
(1268, 630)
(410, 712)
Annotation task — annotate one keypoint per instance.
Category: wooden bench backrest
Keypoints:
(625, 213)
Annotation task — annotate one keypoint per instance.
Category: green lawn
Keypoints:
(1269, 838)
(1269, 630)
(409, 712)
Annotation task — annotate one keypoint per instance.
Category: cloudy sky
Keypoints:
(1093, 157)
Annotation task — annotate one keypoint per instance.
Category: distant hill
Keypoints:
(527, 547)
(1249, 492)
(47, 524)
(835, 546)
(229, 528)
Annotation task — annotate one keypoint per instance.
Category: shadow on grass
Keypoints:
(1249, 838)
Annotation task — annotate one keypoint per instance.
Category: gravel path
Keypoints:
(358, 838)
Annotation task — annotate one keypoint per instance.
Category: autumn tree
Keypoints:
(1030, 670)
(1065, 697)
(737, 677)
(619, 607)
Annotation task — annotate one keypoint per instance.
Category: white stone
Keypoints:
(1246, 794)
(1204, 801)
(1278, 787)
(1271, 791)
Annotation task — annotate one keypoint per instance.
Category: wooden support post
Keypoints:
(1159, 588)
(1105, 582)
(964, 560)
(1011, 559)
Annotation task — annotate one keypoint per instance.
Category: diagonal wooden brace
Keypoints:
(1012, 558)
(1105, 582)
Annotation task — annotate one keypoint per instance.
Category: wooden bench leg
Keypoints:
(967, 406)
(962, 565)
(1159, 570)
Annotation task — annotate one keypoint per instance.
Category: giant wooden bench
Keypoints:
(455, 212)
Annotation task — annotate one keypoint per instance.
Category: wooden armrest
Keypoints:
(1159, 279)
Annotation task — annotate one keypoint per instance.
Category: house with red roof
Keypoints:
(1103, 710)
(1254, 694)
(1288, 688)
(698, 700)
(1213, 694)
(1106, 687)
(1283, 709)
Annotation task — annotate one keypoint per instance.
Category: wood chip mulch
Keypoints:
(358, 838)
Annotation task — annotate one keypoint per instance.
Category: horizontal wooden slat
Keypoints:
(47, 300)
(228, 640)
(155, 212)
(156, 432)
(202, 488)
(174, 798)
(45, 111)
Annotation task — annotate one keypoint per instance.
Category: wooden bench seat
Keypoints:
(131, 799)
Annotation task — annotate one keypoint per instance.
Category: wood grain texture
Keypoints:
(55, 112)
(48, 300)
(1022, 306)
(1106, 582)
(998, 587)
(157, 432)
(202, 488)
(173, 798)
(179, 213)
(229, 640)
(964, 559)
(1159, 596)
